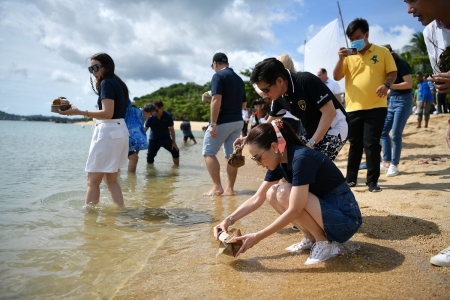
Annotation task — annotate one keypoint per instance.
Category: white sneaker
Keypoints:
(442, 259)
(322, 251)
(305, 244)
(392, 171)
(383, 168)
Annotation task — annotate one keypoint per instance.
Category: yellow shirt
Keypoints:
(363, 75)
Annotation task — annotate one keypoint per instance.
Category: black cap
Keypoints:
(388, 47)
(220, 57)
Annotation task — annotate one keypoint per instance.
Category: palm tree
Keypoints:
(418, 46)
(416, 54)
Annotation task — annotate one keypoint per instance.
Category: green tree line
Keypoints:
(180, 99)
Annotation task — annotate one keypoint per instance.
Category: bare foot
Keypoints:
(213, 192)
(229, 192)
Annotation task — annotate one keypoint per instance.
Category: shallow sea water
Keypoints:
(51, 246)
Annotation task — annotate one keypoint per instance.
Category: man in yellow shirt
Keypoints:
(368, 77)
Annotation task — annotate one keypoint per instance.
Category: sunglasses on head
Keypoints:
(94, 68)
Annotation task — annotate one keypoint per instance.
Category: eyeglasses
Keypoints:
(258, 158)
(266, 89)
(94, 68)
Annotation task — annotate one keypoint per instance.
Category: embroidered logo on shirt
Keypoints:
(322, 98)
(375, 59)
(302, 104)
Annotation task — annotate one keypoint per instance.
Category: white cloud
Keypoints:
(46, 44)
(61, 76)
(398, 36)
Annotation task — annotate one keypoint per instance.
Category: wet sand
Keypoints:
(404, 225)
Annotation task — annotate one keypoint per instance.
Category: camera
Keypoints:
(352, 51)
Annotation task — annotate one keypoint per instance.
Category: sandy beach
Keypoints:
(388, 258)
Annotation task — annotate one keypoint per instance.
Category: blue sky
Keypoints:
(45, 44)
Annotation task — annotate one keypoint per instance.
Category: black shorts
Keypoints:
(155, 145)
(189, 136)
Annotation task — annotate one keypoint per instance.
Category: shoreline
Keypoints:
(403, 226)
(195, 126)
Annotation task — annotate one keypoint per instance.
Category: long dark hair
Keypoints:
(109, 66)
(264, 135)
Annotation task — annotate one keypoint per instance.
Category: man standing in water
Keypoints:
(228, 100)
(162, 134)
(434, 14)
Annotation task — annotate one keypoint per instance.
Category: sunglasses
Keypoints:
(258, 158)
(94, 68)
(266, 89)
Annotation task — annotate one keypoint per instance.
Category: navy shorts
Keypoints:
(340, 213)
(155, 145)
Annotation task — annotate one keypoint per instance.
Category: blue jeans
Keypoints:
(399, 111)
(340, 214)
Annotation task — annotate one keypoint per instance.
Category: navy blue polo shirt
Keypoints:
(305, 97)
(403, 69)
(231, 86)
(159, 127)
(112, 89)
(308, 166)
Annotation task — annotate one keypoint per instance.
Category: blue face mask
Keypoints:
(358, 44)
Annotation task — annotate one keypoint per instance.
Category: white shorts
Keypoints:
(109, 147)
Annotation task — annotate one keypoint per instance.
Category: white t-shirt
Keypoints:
(333, 86)
(435, 34)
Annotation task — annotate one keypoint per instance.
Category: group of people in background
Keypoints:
(301, 125)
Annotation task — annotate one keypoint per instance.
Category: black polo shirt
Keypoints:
(305, 96)
(159, 127)
(232, 88)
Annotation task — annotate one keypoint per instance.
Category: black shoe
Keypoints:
(373, 187)
(351, 184)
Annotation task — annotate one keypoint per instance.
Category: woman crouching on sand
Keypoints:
(315, 198)
(109, 145)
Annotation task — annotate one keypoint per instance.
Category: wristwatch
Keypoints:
(387, 84)
(311, 143)
(231, 219)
